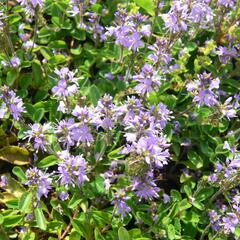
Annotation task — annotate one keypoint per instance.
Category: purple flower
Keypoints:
(72, 170)
(64, 130)
(11, 103)
(129, 30)
(145, 188)
(31, 5)
(42, 181)
(213, 177)
(3, 181)
(81, 133)
(148, 80)
(153, 149)
(230, 221)
(228, 109)
(166, 198)
(227, 3)
(120, 206)
(226, 53)
(63, 196)
(39, 133)
(203, 90)
(63, 90)
(215, 220)
(160, 52)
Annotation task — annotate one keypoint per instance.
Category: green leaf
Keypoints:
(38, 114)
(93, 94)
(101, 218)
(48, 161)
(11, 76)
(37, 72)
(76, 51)
(123, 234)
(58, 59)
(116, 153)
(25, 202)
(40, 218)
(184, 204)
(57, 44)
(75, 200)
(171, 232)
(147, 5)
(175, 195)
(15, 155)
(83, 228)
(30, 110)
(1, 219)
(19, 173)
(195, 159)
(204, 193)
(25, 80)
(98, 235)
(12, 220)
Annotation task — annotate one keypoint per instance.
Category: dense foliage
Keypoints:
(119, 119)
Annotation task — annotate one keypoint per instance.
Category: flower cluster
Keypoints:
(72, 170)
(11, 103)
(148, 80)
(39, 180)
(129, 30)
(203, 89)
(67, 86)
(38, 133)
(226, 220)
(186, 13)
(30, 6)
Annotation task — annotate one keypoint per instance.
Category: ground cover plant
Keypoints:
(119, 119)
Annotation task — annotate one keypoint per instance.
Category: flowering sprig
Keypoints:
(11, 103)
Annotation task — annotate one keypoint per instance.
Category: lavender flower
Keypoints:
(31, 5)
(64, 130)
(11, 103)
(230, 221)
(226, 53)
(120, 206)
(128, 30)
(148, 80)
(66, 87)
(227, 3)
(103, 115)
(184, 14)
(14, 62)
(42, 181)
(3, 181)
(203, 89)
(81, 133)
(160, 52)
(72, 170)
(39, 133)
(63, 196)
(145, 188)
